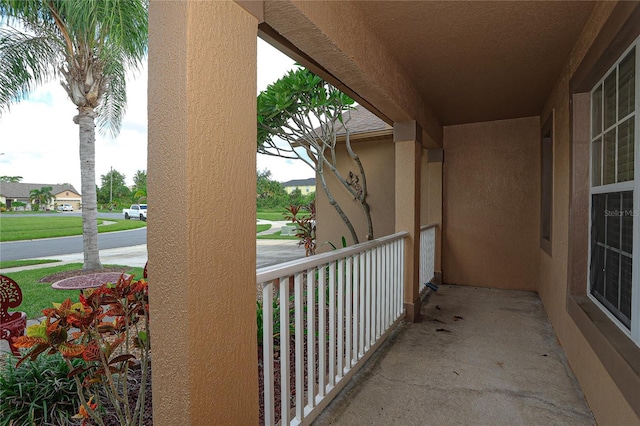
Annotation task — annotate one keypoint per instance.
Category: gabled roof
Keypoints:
(359, 120)
(22, 190)
(300, 182)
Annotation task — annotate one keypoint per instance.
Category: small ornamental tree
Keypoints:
(299, 117)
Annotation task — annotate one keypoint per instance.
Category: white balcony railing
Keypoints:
(330, 312)
(427, 254)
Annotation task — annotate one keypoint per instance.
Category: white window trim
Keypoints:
(634, 332)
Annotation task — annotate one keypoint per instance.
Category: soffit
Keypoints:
(479, 61)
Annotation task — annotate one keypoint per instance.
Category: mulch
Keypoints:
(76, 273)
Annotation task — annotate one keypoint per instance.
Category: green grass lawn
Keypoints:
(25, 262)
(270, 215)
(31, 228)
(276, 215)
(276, 236)
(29, 212)
(36, 295)
(260, 228)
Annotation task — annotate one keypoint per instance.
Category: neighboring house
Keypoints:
(62, 194)
(306, 186)
(516, 130)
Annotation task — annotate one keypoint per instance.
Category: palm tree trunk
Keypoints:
(87, 127)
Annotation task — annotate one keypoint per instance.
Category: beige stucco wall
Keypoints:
(377, 158)
(491, 185)
(431, 200)
(603, 396)
(202, 94)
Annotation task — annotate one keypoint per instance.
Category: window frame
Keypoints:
(546, 183)
(633, 331)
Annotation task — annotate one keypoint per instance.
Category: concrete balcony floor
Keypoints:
(478, 357)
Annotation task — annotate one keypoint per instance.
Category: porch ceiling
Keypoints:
(480, 61)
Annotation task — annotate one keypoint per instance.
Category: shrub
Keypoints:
(305, 225)
(38, 392)
(110, 321)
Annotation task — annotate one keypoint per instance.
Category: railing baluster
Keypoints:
(387, 290)
(322, 330)
(332, 324)
(356, 309)
(348, 315)
(267, 352)
(285, 372)
(340, 312)
(311, 337)
(368, 302)
(362, 301)
(378, 293)
(299, 321)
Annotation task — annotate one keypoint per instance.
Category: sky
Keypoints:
(39, 141)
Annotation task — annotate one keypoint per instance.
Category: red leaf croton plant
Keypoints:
(102, 329)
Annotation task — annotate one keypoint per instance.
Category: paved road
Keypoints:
(15, 250)
(268, 252)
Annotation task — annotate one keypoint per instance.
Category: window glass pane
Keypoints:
(610, 100)
(612, 278)
(596, 112)
(598, 204)
(625, 288)
(627, 222)
(625, 150)
(614, 217)
(626, 85)
(609, 175)
(596, 162)
(598, 207)
(597, 270)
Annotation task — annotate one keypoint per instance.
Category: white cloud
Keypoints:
(39, 141)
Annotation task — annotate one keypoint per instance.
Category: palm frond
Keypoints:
(112, 107)
(26, 61)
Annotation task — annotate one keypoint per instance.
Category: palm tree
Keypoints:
(88, 45)
(42, 196)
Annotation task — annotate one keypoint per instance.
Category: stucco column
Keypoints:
(435, 160)
(408, 147)
(201, 228)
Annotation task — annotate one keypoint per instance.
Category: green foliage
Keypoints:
(101, 330)
(270, 194)
(275, 319)
(38, 392)
(10, 179)
(140, 187)
(295, 97)
(40, 197)
(305, 226)
(113, 181)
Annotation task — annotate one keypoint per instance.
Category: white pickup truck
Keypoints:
(137, 211)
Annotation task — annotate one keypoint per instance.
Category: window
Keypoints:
(546, 185)
(614, 194)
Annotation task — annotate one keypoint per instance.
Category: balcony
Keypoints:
(477, 356)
